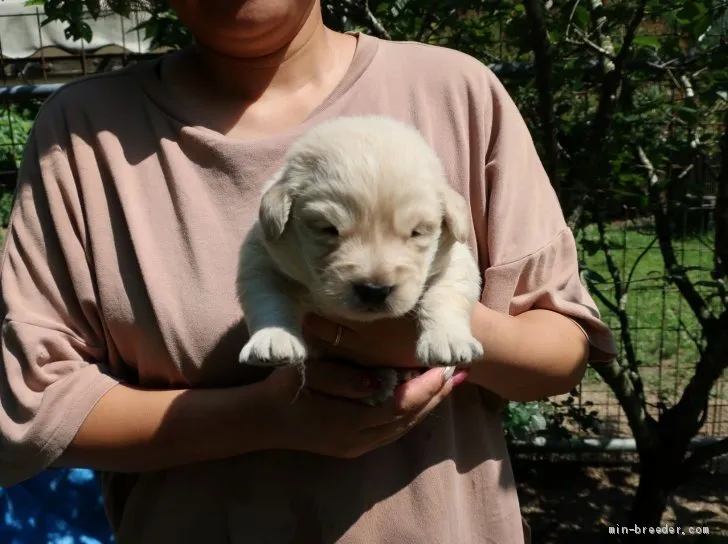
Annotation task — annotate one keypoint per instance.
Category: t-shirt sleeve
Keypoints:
(52, 370)
(531, 252)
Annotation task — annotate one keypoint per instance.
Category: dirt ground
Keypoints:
(567, 502)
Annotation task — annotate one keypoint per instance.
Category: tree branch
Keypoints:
(621, 381)
(684, 419)
(583, 40)
(611, 306)
(543, 56)
(637, 261)
(620, 296)
(613, 74)
(605, 42)
(693, 337)
(613, 78)
(378, 26)
(625, 381)
(721, 211)
(425, 28)
(676, 273)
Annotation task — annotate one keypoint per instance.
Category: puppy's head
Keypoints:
(361, 213)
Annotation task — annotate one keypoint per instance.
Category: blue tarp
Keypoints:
(56, 507)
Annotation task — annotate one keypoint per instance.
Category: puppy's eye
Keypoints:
(328, 230)
(421, 230)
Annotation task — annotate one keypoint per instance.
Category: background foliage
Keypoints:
(627, 102)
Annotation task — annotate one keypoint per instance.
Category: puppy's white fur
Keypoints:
(359, 200)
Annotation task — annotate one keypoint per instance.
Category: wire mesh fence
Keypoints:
(662, 328)
(664, 332)
(32, 52)
(36, 59)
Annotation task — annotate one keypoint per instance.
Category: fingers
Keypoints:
(418, 391)
(323, 420)
(328, 332)
(390, 432)
(339, 379)
(410, 398)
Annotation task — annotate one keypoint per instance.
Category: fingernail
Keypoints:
(447, 374)
(459, 377)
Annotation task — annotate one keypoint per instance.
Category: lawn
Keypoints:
(663, 328)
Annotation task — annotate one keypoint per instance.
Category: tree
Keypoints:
(664, 143)
(624, 98)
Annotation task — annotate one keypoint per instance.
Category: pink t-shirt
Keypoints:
(119, 266)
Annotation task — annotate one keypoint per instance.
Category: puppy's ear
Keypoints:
(456, 214)
(276, 202)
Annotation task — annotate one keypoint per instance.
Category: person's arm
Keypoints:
(61, 402)
(528, 357)
(537, 322)
(137, 430)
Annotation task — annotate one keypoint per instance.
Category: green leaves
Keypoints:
(523, 420)
(94, 9)
(691, 11)
(648, 41)
(15, 126)
(72, 13)
(163, 29)
(693, 19)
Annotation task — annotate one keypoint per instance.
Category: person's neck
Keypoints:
(252, 96)
(306, 61)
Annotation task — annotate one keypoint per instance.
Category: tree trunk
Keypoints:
(657, 480)
(651, 499)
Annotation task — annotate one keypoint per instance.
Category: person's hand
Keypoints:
(384, 342)
(325, 415)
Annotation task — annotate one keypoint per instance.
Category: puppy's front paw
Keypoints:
(445, 348)
(273, 347)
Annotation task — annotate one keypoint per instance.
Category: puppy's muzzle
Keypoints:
(372, 294)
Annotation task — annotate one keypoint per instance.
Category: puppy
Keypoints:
(360, 223)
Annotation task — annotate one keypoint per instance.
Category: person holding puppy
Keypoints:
(121, 328)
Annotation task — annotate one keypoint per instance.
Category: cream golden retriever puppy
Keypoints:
(360, 223)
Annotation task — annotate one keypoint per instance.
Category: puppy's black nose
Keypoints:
(372, 293)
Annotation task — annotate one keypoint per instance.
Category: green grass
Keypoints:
(662, 325)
